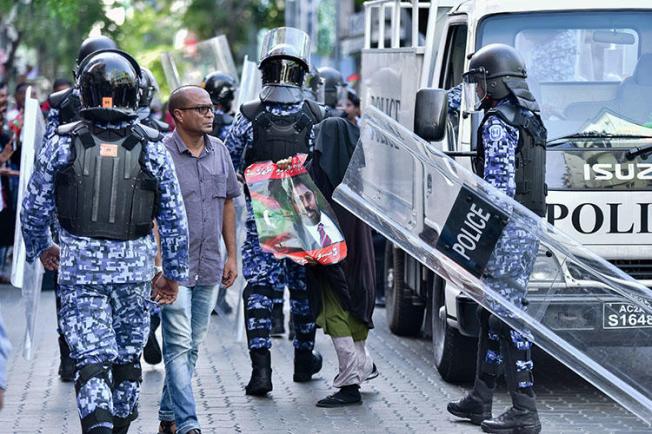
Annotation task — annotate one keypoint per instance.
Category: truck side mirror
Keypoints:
(430, 112)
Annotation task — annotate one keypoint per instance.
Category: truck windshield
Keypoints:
(591, 72)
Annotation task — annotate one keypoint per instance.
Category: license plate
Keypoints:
(624, 315)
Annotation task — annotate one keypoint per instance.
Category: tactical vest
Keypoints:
(277, 137)
(68, 104)
(530, 176)
(221, 121)
(105, 192)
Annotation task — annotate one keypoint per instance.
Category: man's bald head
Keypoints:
(184, 96)
(192, 110)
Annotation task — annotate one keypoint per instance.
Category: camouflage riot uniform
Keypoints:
(260, 269)
(509, 267)
(105, 284)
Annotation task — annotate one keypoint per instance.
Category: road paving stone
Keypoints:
(407, 397)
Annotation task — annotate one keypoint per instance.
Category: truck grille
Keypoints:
(640, 269)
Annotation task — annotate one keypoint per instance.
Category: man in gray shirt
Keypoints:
(208, 185)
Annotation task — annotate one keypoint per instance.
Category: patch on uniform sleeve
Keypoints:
(496, 132)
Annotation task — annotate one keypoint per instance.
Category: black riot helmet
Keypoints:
(93, 44)
(313, 88)
(148, 88)
(284, 58)
(221, 87)
(334, 85)
(109, 86)
(494, 70)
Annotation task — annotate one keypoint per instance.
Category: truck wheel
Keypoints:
(404, 318)
(455, 354)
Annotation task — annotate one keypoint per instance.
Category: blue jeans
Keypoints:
(184, 325)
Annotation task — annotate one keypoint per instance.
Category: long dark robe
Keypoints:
(352, 280)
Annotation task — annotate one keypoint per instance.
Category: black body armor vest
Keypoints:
(106, 191)
(279, 137)
(530, 173)
(68, 104)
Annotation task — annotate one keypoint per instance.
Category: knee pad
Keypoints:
(127, 372)
(99, 415)
(265, 291)
(94, 370)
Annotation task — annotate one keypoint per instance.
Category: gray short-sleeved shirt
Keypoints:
(206, 182)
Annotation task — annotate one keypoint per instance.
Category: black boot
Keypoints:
(122, 429)
(306, 363)
(152, 351)
(261, 373)
(278, 321)
(522, 418)
(66, 365)
(476, 406)
(347, 395)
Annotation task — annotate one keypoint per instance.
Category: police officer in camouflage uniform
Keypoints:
(106, 179)
(221, 87)
(274, 127)
(64, 108)
(148, 90)
(334, 89)
(511, 157)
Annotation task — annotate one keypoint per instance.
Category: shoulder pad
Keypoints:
(57, 99)
(250, 109)
(69, 128)
(318, 111)
(148, 133)
(507, 112)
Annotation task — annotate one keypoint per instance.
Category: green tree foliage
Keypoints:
(240, 21)
(53, 28)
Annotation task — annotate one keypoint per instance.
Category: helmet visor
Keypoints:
(283, 72)
(286, 42)
(475, 89)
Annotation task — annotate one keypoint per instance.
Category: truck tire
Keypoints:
(455, 355)
(404, 318)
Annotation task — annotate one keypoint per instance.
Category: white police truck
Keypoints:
(590, 68)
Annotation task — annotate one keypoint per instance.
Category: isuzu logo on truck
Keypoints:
(622, 171)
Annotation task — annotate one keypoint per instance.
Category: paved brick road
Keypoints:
(409, 396)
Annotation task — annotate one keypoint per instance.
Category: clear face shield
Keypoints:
(286, 42)
(475, 89)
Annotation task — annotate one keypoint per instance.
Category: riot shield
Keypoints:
(251, 83)
(28, 277)
(582, 310)
(192, 63)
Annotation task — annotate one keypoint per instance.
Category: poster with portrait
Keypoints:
(293, 218)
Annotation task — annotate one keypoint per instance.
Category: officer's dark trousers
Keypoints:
(500, 346)
(106, 327)
(265, 275)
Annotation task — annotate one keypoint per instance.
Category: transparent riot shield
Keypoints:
(28, 277)
(250, 83)
(579, 308)
(192, 63)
